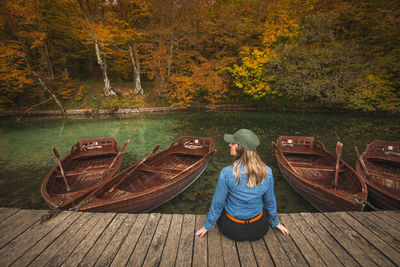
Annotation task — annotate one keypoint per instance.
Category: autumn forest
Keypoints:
(126, 53)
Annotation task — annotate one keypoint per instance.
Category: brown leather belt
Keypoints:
(244, 221)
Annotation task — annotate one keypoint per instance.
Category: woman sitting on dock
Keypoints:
(242, 190)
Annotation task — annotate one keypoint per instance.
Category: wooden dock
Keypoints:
(109, 239)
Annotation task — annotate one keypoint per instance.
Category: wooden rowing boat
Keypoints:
(312, 171)
(155, 180)
(89, 162)
(379, 166)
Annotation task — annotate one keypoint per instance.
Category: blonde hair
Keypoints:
(254, 166)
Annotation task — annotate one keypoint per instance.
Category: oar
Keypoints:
(283, 156)
(55, 152)
(339, 147)
(362, 163)
(115, 159)
(136, 166)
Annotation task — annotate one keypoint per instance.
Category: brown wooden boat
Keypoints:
(379, 166)
(155, 180)
(323, 179)
(88, 163)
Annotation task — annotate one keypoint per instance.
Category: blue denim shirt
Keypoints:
(240, 201)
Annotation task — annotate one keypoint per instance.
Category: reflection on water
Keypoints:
(26, 156)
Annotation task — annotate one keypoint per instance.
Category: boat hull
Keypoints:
(321, 199)
(146, 201)
(146, 185)
(383, 178)
(310, 170)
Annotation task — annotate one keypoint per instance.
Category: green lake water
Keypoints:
(26, 155)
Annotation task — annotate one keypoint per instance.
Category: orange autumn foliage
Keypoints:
(203, 82)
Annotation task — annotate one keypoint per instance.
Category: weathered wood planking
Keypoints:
(129, 243)
(109, 239)
(351, 247)
(358, 239)
(171, 246)
(6, 212)
(56, 234)
(154, 253)
(315, 241)
(382, 232)
(301, 242)
(278, 254)
(330, 241)
(185, 248)
(200, 244)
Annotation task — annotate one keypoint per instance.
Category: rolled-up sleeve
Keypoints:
(270, 201)
(218, 201)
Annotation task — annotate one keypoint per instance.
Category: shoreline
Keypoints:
(147, 110)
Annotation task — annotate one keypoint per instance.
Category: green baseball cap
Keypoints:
(244, 137)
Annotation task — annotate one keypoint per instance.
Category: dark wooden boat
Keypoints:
(381, 173)
(311, 170)
(88, 163)
(155, 180)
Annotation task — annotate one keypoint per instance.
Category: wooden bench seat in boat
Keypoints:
(147, 168)
(306, 165)
(57, 173)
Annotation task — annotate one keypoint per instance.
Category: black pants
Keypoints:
(242, 232)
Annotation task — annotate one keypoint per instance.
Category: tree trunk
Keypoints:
(49, 65)
(171, 50)
(136, 69)
(44, 86)
(103, 64)
(66, 71)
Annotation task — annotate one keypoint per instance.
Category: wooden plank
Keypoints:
(393, 213)
(64, 229)
(314, 239)
(112, 247)
(200, 244)
(310, 255)
(185, 249)
(15, 228)
(17, 247)
(373, 240)
(168, 257)
(130, 241)
(86, 244)
(20, 217)
(275, 249)
(295, 256)
(215, 257)
(246, 254)
(229, 250)
(9, 220)
(378, 230)
(261, 252)
(142, 246)
(154, 253)
(101, 243)
(344, 240)
(387, 218)
(384, 222)
(362, 243)
(342, 255)
(6, 212)
(58, 251)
